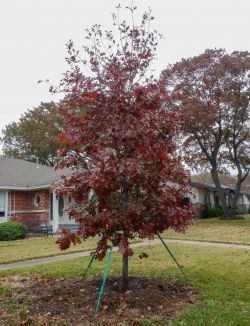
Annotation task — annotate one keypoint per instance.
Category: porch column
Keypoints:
(6, 206)
(55, 212)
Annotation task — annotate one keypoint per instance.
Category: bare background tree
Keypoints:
(212, 91)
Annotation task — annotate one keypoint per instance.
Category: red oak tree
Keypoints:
(120, 143)
(212, 91)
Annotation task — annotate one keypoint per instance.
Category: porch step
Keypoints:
(71, 227)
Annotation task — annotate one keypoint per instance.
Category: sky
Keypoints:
(33, 34)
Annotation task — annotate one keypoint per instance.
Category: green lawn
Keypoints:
(214, 229)
(19, 250)
(222, 274)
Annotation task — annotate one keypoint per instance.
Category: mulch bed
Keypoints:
(73, 300)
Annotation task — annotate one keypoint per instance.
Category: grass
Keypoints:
(222, 274)
(216, 230)
(27, 249)
(213, 229)
(20, 250)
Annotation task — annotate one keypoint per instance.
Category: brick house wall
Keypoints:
(32, 207)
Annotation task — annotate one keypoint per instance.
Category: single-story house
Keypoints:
(207, 194)
(27, 194)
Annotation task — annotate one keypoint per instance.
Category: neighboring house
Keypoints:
(27, 194)
(206, 194)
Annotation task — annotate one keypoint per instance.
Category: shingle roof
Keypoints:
(23, 174)
(227, 181)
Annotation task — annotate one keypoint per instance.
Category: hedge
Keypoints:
(208, 212)
(12, 231)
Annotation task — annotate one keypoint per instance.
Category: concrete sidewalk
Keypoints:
(39, 261)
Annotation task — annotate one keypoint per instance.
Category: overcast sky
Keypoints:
(33, 34)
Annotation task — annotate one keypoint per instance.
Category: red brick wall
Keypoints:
(20, 201)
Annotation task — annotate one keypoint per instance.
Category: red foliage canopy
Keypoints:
(120, 143)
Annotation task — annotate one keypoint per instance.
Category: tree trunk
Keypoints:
(124, 273)
(222, 193)
(232, 197)
(229, 210)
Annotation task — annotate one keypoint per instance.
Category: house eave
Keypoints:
(25, 188)
(204, 186)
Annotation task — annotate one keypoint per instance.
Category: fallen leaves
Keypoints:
(72, 301)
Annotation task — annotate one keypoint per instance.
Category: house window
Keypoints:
(37, 199)
(60, 206)
(2, 204)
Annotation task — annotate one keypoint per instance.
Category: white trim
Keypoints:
(9, 204)
(6, 205)
(30, 211)
(27, 188)
(55, 212)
